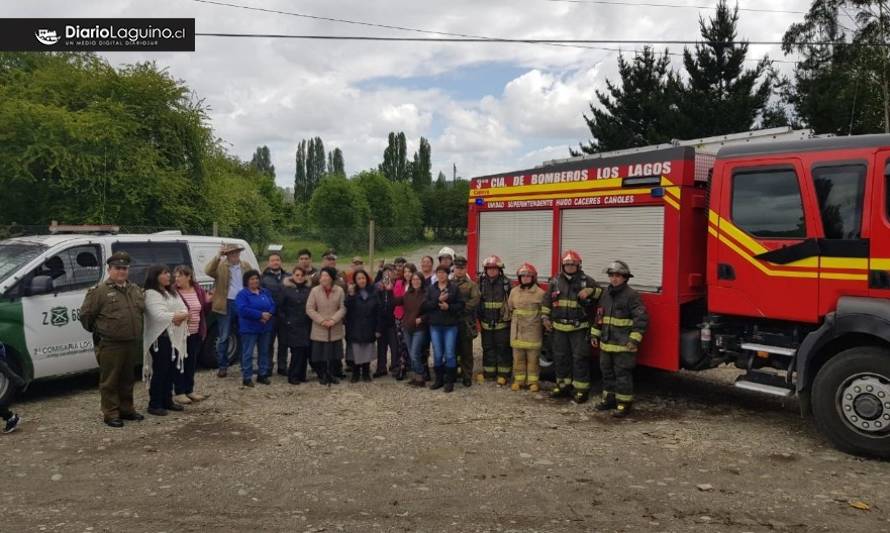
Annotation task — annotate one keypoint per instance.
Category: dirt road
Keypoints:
(697, 456)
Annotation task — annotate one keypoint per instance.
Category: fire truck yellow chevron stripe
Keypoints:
(671, 202)
(744, 245)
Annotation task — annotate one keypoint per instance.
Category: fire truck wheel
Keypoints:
(851, 401)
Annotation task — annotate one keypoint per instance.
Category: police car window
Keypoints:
(766, 203)
(840, 190)
(73, 268)
(145, 254)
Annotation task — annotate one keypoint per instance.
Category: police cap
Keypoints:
(119, 259)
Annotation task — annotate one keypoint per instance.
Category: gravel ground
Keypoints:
(698, 455)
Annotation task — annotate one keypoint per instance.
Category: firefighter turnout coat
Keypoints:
(524, 308)
(621, 318)
(492, 304)
(563, 305)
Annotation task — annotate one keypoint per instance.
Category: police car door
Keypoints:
(56, 341)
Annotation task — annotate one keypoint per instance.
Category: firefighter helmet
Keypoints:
(493, 261)
(527, 269)
(446, 251)
(571, 256)
(618, 267)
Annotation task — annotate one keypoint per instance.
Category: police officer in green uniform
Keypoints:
(621, 321)
(112, 311)
(466, 330)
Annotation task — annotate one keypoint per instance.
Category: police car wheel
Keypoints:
(851, 401)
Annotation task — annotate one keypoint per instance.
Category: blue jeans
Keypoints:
(416, 341)
(260, 341)
(224, 327)
(444, 343)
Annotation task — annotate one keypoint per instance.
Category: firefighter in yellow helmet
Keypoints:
(497, 358)
(621, 321)
(569, 297)
(526, 332)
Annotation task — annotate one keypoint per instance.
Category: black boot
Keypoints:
(561, 391)
(366, 372)
(622, 410)
(440, 378)
(450, 376)
(581, 396)
(607, 403)
(356, 370)
(426, 373)
(467, 379)
(402, 372)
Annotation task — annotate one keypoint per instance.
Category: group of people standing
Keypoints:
(306, 315)
(403, 310)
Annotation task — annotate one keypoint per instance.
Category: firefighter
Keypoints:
(621, 320)
(466, 330)
(569, 298)
(497, 357)
(526, 334)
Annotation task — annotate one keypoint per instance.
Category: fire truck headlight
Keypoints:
(657, 192)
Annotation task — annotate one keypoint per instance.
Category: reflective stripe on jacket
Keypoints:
(524, 309)
(621, 318)
(562, 304)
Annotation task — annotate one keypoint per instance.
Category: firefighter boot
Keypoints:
(561, 391)
(622, 410)
(581, 396)
(480, 378)
(501, 381)
(607, 403)
(516, 386)
(534, 387)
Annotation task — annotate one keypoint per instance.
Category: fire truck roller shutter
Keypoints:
(634, 235)
(517, 237)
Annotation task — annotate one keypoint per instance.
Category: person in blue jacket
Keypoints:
(256, 308)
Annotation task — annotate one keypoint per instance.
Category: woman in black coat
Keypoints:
(363, 310)
(296, 323)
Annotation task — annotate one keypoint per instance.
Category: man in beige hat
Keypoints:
(227, 270)
(357, 264)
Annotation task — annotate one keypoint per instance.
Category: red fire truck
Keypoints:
(771, 255)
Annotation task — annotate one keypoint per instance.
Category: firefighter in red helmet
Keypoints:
(497, 357)
(569, 297)
(526, 332)
(621, 321)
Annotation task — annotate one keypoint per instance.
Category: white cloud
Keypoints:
(276, 92)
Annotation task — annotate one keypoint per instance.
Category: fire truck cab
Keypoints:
(766, 250)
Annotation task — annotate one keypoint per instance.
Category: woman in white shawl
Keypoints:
(163, 339)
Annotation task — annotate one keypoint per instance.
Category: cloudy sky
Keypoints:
(484, 107)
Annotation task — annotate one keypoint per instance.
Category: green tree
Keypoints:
(339, 211)
(262, 161)
(336, 164)
(395, 158)
(638, 111)
(720, 96)
(378, 193)
(840, 83)
(83, 142)
(421, 166)
(302, 188)
(408, 213)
